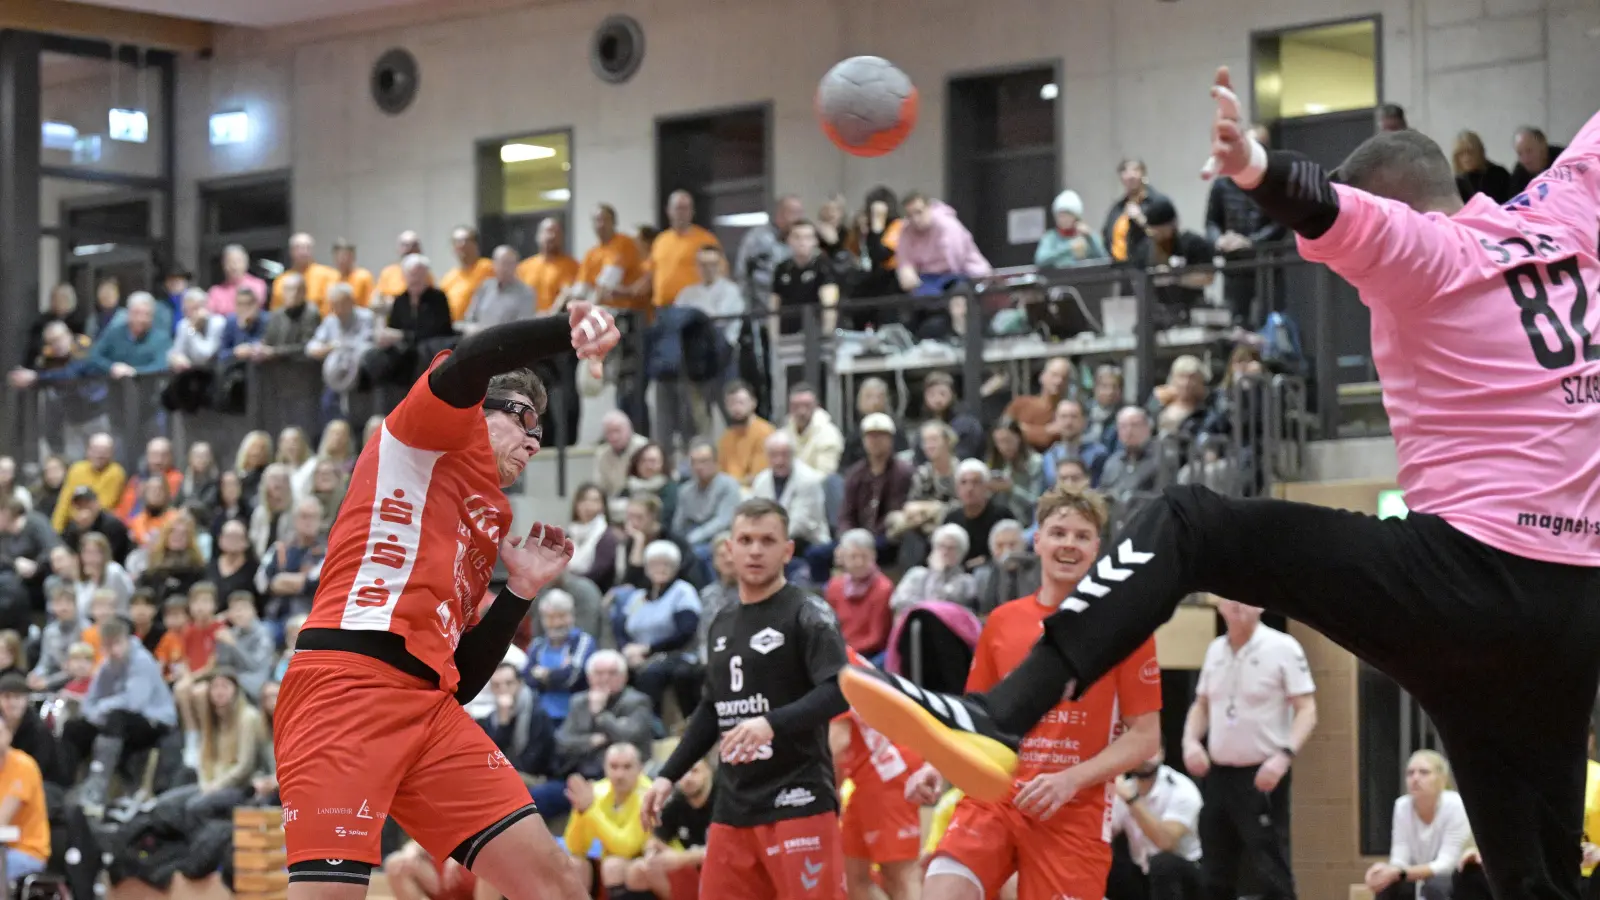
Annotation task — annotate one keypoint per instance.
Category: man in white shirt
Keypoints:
(715, 295)
(1253, 710)
(199, 334)
(340, 340)
(615, 454)
(817, 441)
(797, 488)
(1158, 809)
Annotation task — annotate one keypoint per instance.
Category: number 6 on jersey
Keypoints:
(735, 674)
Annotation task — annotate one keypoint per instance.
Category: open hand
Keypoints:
(1230, 145)
(536, 560)
(654, 799)
(594, 331)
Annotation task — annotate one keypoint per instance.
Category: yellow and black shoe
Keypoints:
(954, 734)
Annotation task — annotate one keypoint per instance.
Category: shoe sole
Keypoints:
(981, 767)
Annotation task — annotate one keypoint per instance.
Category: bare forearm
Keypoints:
(1305, 721)
(1198, 720)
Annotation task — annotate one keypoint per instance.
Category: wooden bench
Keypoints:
(1360, 892)
(260, 864)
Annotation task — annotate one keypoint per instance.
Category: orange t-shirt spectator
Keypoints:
(471, 271)
(614, 264)
(392, 279)
(551, 272)
(672, 265)
(317, 277)
(359, 279)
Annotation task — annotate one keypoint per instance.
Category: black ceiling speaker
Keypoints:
(617, 49)
(395, 80)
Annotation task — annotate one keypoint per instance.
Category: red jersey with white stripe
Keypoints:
(1074, 731)
(873, 757)
(416, 541)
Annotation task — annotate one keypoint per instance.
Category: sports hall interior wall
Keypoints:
(1134, 75)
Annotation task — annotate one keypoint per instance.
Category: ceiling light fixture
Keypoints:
(515, 153)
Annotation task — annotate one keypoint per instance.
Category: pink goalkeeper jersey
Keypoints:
(1484, 332)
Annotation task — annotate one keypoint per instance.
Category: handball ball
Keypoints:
(866, 105)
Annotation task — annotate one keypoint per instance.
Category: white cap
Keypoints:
(1068, 201)
(877, 423)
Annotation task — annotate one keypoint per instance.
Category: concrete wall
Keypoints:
(1135, 77)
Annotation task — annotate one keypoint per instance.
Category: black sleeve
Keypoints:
(484, 645)
(433, 316)
(825, 655)
(463, 377)
(1297, 193)
(1216, 212)
(699, 736)
(821, 705)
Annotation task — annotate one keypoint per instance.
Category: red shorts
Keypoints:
(880, 825)
(994, 841)
(796, 859)
(358, 740)
(685, 883)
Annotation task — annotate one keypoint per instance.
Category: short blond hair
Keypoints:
(81, 650)
(1089, 504)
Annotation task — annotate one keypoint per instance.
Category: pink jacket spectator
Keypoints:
(223, 297)
(945, 248)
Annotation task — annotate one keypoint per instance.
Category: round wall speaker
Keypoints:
(395, 80)
(617, 49)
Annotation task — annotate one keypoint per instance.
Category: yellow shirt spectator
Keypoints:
(942, 814)
(360, 281)
(742, 451)
(615, 263)
(460, 285)
(548, 276)
(619, 829)
(318, 278)
(106, 484)
(672, 260)
(21, 782)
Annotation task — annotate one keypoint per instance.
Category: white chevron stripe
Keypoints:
(937, 704)
(908, 687)
(963, 720)
(1093, 588)
(1105, 569)
(1131, 557)
(1073, 604)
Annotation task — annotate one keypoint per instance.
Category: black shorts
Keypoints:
(1502, 651)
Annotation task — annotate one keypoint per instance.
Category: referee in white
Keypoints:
(1253, 711)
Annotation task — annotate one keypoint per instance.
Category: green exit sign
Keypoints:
(1392, 504)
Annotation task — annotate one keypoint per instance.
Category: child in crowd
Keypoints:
(80, 671)
(147, 626)
(63, 630)
(245, 646)
(102, 609)
(199, 658)
(169, 653)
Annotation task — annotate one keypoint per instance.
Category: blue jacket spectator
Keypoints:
(1070, 243)
(556, 658)
(660, 620)
(518, 725)
(248, 325)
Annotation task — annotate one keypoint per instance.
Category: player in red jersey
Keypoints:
(879, 826)
(369, 722)
(1054, 830)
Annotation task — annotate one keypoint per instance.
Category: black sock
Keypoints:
(1023, 697)
(621, 892)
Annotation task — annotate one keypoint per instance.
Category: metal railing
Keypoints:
(1123, 304)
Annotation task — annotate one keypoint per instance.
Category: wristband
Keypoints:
(1253, 173)
(1287, 751)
